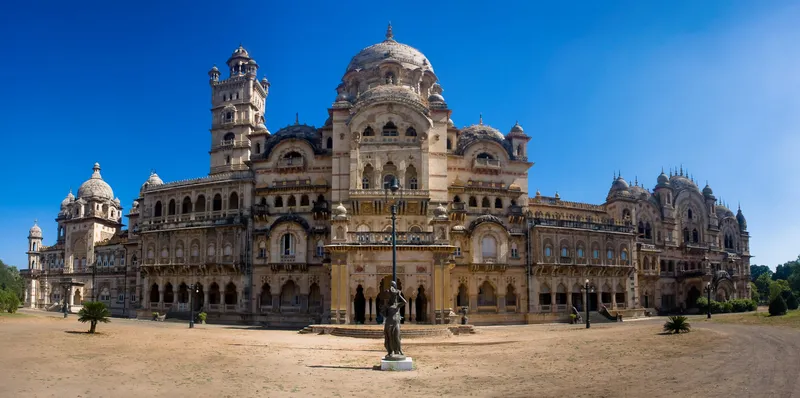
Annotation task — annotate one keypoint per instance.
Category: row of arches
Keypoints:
(290, 296)
(565, 251)
(388, 174)
(198, 206)
(485, 202)
(389, 130)
(487, 296)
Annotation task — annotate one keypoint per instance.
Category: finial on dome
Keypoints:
(681, 170)
(480, 118)
(96, 171)
(296, 118)
(389, 33)
(739, 205)
(36, 220)
(636, 181)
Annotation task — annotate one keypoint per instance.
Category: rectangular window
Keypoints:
(457, 252)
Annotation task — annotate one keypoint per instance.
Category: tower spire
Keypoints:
(480, 118)
(296, 118)
(389, 33)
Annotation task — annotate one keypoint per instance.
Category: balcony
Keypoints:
(514, 210)
(385, 238)
(459, 207)
(482, 163)
(380, 193)
(548, 222)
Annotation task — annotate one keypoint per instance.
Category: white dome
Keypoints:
(69, 199)
(95, 187)
(153, 180)
(35, 231)
(387, 50)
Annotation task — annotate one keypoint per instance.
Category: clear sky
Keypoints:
(599, 86)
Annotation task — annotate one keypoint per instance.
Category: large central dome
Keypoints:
(95, 187)
(389, 49)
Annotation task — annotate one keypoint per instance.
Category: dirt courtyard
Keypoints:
(42, 356)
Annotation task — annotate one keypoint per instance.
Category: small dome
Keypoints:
(214, 71)
(459, 228)
(679, 182)
(707, 192)
(135, 204)
(742, 221)
(450, 123)
(435, 98)
(663, 180)
(339, 211)
(35, 231)
(69, 199)
(95, 187)
(517, 128)
(153, 180)
(481, 132)
(440, 211)
(344, 97)
(240, 52)
(619, 184)
(117, 202)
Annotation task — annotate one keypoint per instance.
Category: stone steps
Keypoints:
(373, 332)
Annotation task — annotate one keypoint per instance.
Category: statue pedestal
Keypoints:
(403, 364)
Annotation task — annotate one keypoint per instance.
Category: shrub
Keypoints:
(94, 312)
(202, 317)
(716, 307)
(702, 304)
(677, 324)
(8, 301)
(727, 307)
(792, 303)
(777, 306)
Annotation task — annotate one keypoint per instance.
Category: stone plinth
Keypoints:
(403, 364)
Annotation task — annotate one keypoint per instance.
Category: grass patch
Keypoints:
(14, 315)
(791, 319)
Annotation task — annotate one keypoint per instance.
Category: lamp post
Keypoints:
(391, 195)
(708, 289)
(191, 305)
(65, 300)
(589, 290)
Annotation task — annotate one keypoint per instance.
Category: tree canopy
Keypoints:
(10, 279)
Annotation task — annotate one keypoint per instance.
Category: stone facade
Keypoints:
(294, 227)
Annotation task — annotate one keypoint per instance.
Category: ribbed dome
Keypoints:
(35, 231)
(481, 132)
(663, 180)
(153, 180)
(742, 221)
(679, 182)
(707, 191)
(389, 49)
(95, 187)
(69, 199)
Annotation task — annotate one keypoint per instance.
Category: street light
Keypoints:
(589, 290)
(65, 300)
(708, 289)
(391, 196)
(193, 289)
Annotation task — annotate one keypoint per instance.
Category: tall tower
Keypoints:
(237, 109)
(34, 249)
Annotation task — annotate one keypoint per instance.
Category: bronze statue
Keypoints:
(391, 312)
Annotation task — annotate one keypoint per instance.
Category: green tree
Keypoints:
(777, 306)
(94, 312)
(791, 302)
(763, 283)
(757, 270)
(754, 294)
(8, 301)
(677, 324)
(777, 288)
(11, 280)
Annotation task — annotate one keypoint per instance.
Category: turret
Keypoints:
(664, 194)
(34, 246)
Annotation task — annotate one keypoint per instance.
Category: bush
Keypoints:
(702, 304)
(202, 317)
(777, 306)
(727, 307)
(735, 305)
(677, 324)
(94, 312)
(792, 303)
(8, 301)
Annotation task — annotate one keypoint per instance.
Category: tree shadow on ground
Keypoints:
(81, 332)
(376, 367)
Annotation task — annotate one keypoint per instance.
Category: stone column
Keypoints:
(410, 309)
(501, 304)
(276, 302)
(160, 297)
(614, 297)
(473, 303)
(370, 308)
(569, 302)
(335, 293)
(205, 298)
(304, 303)
(553, 301)
(584, 303)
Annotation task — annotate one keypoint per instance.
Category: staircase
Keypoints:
(597, 317)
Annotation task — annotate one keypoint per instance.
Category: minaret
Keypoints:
(238, 104)
(34, 262)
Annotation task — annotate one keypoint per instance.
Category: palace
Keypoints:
(293, 227)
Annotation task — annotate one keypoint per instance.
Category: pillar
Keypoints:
(438, 293)
(335, 293)
(344, 294)
(501, 303)
(411, 309)
(160, 296)
(553, 301)
(370, 308)
(614, 296)
(276, 302)
(569, 301)
(205, 298)
(584, 303)
(473, 303)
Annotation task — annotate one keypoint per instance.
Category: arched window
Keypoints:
(216, 205)
(287, 245)
(413, 183)
(368, 132)
(449, 145)
(411, 177)
(648, 233)
(231, 296)
(200, 204)
(214, 294)
(388, 181)
(519, 150)
(304, 200)
(484, 155)
(686, 235)
(486, 297)
(514, 251)
(293, 158)
(457, 250)
(320, 248)
(564, 251)
(266, 295)
(488, 247)
(278, 201)
(229, 137)
(610, 254)
(695, 236)
(548, 251)
(640, 229)
(485, 202)
(498, 203)
(291, 202)
(262, 249)
(329, 143)
(689, 214)
(289, 296)
(580, 252)
(623, 255)
(187, 205)
(389, 77)
(389, 130)
(157, 209)
(410, 132)
(227, 159)
(596, 253)
(258, 147)
(473, 202)
(456, 199)
(367, 176)
(171, 208)
(233, 201)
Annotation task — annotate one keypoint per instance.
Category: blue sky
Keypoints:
(599, 86)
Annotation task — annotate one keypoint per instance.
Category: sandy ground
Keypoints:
(43, 356)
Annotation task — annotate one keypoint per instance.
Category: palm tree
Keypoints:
(94, 311)
(677, 324)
